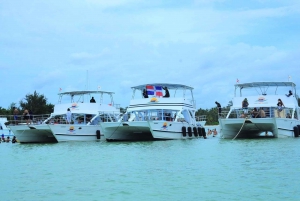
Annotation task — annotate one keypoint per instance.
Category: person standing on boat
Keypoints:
(219, 108)
(167, 94)
(15, 113)
(30, 116)
(245, 106)
(69, 115)
(145, 95)
(26, 116)
(280, 106)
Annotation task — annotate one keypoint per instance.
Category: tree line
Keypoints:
(35, 102)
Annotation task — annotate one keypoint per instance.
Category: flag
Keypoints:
(237, 81)
(154, 90)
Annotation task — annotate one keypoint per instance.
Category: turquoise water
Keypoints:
(211, 169)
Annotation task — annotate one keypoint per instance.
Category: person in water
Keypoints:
(14, 140)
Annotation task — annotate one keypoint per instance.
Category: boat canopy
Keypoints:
(173, 87)
(263, 86)
(81, 94)
(168, 85)
(73, 93)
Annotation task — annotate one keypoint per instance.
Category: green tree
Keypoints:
(36, 103)
(211, 115)
(9, 110)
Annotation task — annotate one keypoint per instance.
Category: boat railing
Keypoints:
(200, 118)
(132, 117)
(13, 120)
(270, 112)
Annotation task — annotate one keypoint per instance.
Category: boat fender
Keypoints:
(200, 131)
(183, 129)
(296, 131)
(195, 131)
(203, 132)
(190, 132)
(98, 134)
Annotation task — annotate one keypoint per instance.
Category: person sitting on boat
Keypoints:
(290, 93)
(254, 113)
(7, 139)
(261, 113)
(145, 95)
(280, 106)
(26, 116)
(92, 100)
(2, 138)
(288, 115)
(167, 94)
(245, 106)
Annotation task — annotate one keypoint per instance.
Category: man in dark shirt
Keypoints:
(219, 107)
(92, 100)
(167, 94)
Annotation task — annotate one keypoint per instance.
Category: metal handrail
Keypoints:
(270, 112)
(19, 119)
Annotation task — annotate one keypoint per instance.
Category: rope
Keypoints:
(115, 130)
(241, 128)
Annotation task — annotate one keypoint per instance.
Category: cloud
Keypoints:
(204, 44)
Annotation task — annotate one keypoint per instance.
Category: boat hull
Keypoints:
(69, 132)
(33, 133)
(166, 130)
(127, 131)
(257, 127)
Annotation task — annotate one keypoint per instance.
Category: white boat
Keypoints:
(85, 118)
(37, 131)
(156, 117)
(4, 130)
(276, 123)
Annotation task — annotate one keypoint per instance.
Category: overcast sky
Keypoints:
(206, 44)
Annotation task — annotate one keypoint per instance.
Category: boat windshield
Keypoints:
(151, 114)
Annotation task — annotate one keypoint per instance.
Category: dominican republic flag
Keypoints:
(154, 90)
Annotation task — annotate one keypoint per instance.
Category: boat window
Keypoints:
(295, 114)
(154, 114)
(186, 116)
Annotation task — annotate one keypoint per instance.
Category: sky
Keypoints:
(117, 44)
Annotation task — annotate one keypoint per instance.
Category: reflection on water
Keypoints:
(211, 169)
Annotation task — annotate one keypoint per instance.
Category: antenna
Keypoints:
(87, 80)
